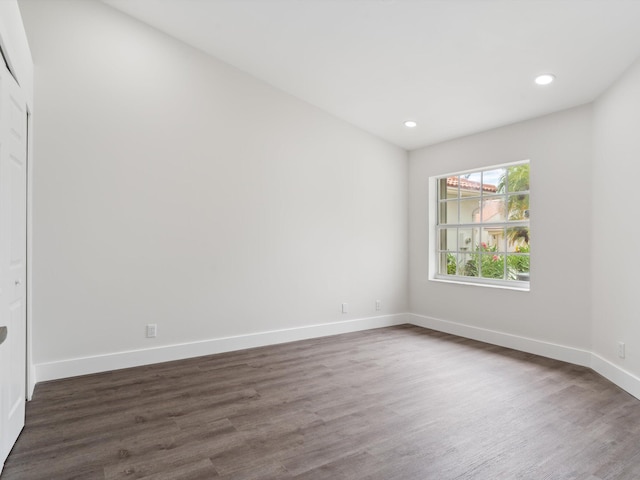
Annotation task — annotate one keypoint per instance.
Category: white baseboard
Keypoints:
(620, 377)
(113, 361)
(625, 380)
(545, 349)
(31, 380)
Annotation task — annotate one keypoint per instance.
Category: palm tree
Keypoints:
(516, 180)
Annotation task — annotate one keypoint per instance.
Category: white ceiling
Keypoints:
(455, 66)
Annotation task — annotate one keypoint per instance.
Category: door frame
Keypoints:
(30, 370)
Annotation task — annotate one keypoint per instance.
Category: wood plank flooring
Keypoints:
(399, 403)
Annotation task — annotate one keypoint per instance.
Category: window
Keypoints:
(482, 232)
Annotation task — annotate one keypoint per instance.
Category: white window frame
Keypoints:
(434, 252)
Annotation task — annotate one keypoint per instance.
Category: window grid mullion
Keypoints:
(518, 223)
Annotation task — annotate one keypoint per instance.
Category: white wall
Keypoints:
(616, 282)
(556, 312)
(173, 189)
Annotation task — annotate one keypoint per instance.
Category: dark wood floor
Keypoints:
(395, 403)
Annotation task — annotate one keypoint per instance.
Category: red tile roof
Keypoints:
(470, 185)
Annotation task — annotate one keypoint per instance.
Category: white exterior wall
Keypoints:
(176, 190)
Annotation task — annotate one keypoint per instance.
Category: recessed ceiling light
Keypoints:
(545, 79)
(410, 124)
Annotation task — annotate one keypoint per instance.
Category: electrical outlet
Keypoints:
(345, 308)
(378, 304)
(621, 352)
(152, 330)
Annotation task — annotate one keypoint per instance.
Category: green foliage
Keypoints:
(518, 264)
(487, 263)
(484, 262)
(492, 266)
(516, 179)
(451, 264)
(471, 267)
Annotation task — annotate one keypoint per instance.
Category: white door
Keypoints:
(13, 252)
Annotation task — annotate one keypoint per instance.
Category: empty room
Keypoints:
(319, 239)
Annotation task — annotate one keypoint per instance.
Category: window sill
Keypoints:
(517, 286)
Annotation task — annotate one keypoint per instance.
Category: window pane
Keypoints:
(518, 239)
(465, 239)
(448, 263)
(470, 184)
(518, 206)
(470, 211)
(518, 267)
(493, 209)
(474, 244)
(448, 239)
(471, 181)
(492, 239)
(518, 178)
(493, 181)
(468, 265)
(448, 188)
(492, 266)
(448, 212)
